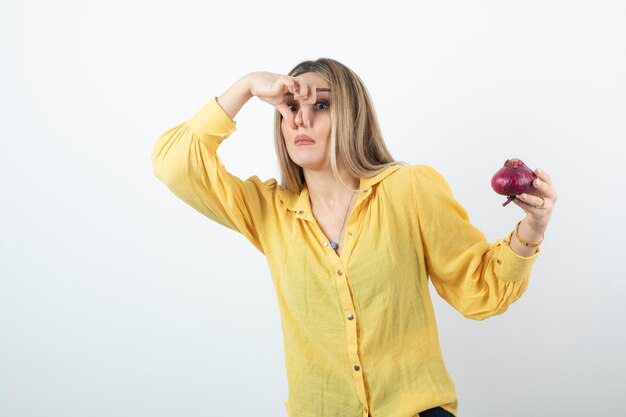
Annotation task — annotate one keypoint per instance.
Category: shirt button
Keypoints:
(356, 367)
(366, 410)
(349, 233)
(339, 272)
(300, 213)
(325, 243)
(350, 316)
(498, 261)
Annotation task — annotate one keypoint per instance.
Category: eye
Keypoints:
(292, 107)
(322, 105)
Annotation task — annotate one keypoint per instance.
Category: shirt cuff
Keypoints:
(212, 123)
(510, 266)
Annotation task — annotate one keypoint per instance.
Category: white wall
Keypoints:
(117, 299)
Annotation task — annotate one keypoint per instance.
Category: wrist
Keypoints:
(524, 241)
(234, 98)
(244, 84)
(528, 235)
(533, 227)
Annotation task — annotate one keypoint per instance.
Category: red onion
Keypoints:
(512, 179)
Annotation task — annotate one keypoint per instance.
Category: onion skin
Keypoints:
(512, 179)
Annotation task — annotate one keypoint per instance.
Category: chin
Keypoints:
(308, 161)
(310, 166)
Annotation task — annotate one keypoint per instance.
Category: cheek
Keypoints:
(286, 129)
(287, 138)
(326, 125)
(325, 131)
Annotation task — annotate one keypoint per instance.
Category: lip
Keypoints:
(302, 140)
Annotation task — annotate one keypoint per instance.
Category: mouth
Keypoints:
(302, 140)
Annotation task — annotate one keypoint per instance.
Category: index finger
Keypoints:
(311, 97)
(543, 175)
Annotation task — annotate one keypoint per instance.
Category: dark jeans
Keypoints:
(436, 412)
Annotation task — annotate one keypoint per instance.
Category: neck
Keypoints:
(326, 191)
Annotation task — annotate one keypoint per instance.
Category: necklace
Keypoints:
(333, 244)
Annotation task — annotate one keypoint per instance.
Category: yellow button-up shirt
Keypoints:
(359, 329)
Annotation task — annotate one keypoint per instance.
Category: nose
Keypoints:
(304, 117)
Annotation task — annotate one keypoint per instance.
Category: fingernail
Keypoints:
(539, 171)
(537, 183)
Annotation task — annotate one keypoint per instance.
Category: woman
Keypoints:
(351, 237)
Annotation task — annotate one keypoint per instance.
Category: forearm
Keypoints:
(233, 99)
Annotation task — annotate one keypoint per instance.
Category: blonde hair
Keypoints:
(355, 138)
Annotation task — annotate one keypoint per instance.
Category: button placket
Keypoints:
(349, 309)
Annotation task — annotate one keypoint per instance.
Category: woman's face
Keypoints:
(309, 146)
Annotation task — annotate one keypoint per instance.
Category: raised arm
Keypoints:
(185, 156)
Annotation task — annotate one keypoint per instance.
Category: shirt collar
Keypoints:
(301, 205)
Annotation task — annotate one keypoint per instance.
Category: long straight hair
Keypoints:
(355, 138)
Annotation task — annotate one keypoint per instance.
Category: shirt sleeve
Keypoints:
(478, 278)
(185, 159)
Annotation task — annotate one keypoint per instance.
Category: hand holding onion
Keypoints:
(533, 191)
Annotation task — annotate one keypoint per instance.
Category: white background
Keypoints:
(118, 299)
